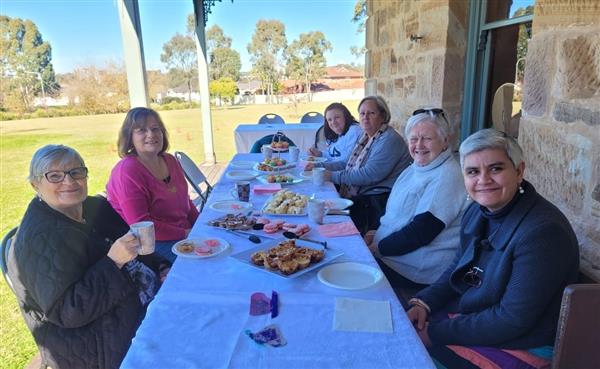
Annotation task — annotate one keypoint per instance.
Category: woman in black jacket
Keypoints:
(81, 286)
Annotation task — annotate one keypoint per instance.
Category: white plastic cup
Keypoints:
(144, 232)
(318, 176)
(294, 153)
(316, 210)
(267, 151)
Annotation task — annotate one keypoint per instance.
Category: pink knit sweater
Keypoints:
(137, 196)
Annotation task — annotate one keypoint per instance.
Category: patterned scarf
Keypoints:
(144, 278)
(357, 160)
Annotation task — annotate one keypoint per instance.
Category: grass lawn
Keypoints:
(95, 138)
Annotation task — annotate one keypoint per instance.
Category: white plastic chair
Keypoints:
(196, 178)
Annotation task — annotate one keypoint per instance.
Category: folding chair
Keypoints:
(196, 179)
(4, 249)
(271, 118)
(312, 117)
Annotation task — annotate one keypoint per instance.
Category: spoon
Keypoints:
(253, 238)
(292, 235)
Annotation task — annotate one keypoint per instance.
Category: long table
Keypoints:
(199, 316)
(303, 134)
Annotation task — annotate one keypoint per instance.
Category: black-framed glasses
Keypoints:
(473, 277)
(434, 111)
(57, 176)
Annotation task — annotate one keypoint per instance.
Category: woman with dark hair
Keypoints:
(517, 254)
(148, 183)
(341, 132)
(80, 284)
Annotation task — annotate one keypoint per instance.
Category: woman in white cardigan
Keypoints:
(418, 235)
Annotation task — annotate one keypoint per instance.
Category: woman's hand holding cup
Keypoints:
(124, 249)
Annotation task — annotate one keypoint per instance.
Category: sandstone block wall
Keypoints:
(560, 126)
(426, 72)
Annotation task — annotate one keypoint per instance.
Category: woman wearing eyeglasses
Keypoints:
(80, 285)
(377, 159)
(517, 254)
(418, 235)
(148, 183)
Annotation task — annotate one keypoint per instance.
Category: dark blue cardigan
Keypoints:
(527, 264)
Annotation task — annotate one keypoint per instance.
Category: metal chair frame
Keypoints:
(4, 250)
(195, 178)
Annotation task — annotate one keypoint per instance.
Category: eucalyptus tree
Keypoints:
(179, 54)
(266, 52)
(306, 58)
(26, 69)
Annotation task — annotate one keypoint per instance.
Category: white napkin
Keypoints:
(357, 315)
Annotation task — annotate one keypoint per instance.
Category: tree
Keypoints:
(224, 61)
(360, 14)
(266, 49)
(305, 57)
(224, 88)
(26, 64)
(179, 54)
(523, 41)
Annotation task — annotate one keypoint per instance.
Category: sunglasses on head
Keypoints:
(434, 111)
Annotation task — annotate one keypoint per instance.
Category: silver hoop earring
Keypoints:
(521, 190)
(468, 197)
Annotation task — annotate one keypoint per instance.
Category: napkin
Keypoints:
(357, 315)
(338, 229)
(266, 188)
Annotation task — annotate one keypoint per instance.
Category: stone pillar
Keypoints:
(560, 126)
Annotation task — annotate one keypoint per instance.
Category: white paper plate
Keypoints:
(241, 175)
(244, 257)
(306, 174)
(242, 164)
(214, 244)
(314, 159)
(349, 276)
(338, 204)
(264, 179)
(231, 206)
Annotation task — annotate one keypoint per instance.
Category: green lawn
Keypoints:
(95, 138)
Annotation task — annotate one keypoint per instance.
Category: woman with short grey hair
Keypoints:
(517, 254)
(418, 235)
(80, 284)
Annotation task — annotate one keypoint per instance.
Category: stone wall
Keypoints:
(560, 126)
(425, 72)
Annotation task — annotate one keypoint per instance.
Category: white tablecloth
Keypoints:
(302, 134)
(199, 316)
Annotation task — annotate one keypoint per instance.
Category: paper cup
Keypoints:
(267, 151)
(294, 153)
(144, 232)
(318, 176)
(316, 210)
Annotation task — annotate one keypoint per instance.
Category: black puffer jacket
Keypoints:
(81, 309)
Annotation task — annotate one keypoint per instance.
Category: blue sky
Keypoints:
(84, 32)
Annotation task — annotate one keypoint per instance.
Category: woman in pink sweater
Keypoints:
(148, 183)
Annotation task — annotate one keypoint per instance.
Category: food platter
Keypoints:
(241, 175)
(349, 276)
(260, 168)
(231, 206)
(245, 257)
(200, 247)
(276, 202)
(279, 178)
